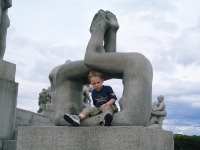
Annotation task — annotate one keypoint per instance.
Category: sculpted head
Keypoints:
(160, 98)
(67, 61)
(6, 4)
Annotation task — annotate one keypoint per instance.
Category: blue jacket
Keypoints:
(103, 96)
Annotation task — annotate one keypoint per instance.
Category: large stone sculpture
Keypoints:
(134, 69)
(158, 113)
(4, 24)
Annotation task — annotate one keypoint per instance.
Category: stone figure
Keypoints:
(44, 98)
(158, 113)
(86, 96)
(4, 24)
(134, 69)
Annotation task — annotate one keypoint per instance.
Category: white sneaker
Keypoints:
(72, 119)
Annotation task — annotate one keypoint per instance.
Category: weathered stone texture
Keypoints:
(8, 100)
(7, 70)
(98, 138)
(10, 145)
(1, 144)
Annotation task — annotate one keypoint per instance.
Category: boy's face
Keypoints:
(96, 83)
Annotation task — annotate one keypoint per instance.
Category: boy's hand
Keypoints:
(102, 106)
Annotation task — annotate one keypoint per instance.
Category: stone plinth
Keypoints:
(8, 100)
(1, 144)
(94, 138)
(7, 70)
(9, 145)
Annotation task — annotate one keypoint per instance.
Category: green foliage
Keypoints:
(184, 142)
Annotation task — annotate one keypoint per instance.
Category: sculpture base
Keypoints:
(98, 138)
(7, 70)
(8, 101)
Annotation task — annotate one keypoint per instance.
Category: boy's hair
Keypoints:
(95, 74)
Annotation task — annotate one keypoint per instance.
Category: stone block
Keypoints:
(7, 70)
(1, 144)
(40, 117)
(8, 100)
(24, 114)
(93, 137)
(19, 125)
(22, 120)
(15, 135)
(10, 145)
(36, 122)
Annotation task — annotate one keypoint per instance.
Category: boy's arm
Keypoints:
(110, 102)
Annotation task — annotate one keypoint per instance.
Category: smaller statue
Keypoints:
(86, 97)
(44, 98)
(158, 113)
(4, 24)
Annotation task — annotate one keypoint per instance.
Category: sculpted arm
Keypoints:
(160, 107)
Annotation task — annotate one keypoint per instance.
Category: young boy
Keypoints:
(103, 99)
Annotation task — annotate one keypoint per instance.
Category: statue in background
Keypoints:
(86, 96)
(46, 94)
(158, 113)
(4, 24)
(44, 98)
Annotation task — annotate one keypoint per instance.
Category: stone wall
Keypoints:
(98, 138)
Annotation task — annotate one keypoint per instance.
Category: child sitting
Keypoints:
(103, 99)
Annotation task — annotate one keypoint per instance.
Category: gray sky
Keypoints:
(44, 34)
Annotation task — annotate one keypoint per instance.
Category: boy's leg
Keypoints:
(72, 119)
(90, 112)
(106, 115)
(75, 120)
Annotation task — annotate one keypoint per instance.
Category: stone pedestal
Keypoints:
(7, 70)
(94, 138)
(8, 100)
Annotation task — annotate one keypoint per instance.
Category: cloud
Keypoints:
(196, 105)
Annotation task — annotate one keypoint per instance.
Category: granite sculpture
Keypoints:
(134, 69)
(4, 24)
(86, 96)
(8, 86)
(158, 113)
(44, 99)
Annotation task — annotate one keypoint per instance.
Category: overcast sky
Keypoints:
(46, 33)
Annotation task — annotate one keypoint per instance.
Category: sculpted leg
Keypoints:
(111, 33)
(68, 83)
(160, 121)
(4, 24)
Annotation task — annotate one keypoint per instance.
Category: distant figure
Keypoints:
(44, 98)
(4, 24)
(86, 95)
(158, 113)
